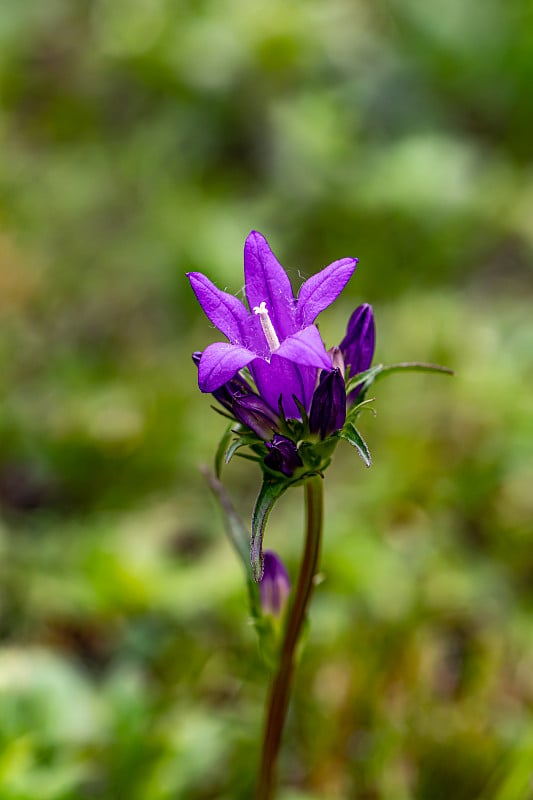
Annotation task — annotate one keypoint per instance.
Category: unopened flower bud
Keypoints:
(357, 347)
(328, 407)
(283, 456)
(275, 585)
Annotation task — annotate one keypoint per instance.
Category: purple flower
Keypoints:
(357, 347)
(275, 585)
(276, 338)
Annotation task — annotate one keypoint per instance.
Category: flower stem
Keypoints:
(280, 689)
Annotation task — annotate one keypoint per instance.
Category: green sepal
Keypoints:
(233, 447)
(242, 439)
(222, 449)
(223, 413)
(304, 424)
(317, 455)
(352, 435)
(355, 410)
(271, 490)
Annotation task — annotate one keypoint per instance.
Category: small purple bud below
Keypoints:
(283, 455)
(275, 585)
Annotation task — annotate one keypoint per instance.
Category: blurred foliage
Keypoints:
(143, 138)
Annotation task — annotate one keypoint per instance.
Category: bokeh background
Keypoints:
(140, 139)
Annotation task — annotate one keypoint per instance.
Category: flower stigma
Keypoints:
(268, 329)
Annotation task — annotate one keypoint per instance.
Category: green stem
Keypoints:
(280, 690)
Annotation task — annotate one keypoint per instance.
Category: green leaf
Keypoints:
(352, 435)
(366, 379)
(412, 366)
(271, 490)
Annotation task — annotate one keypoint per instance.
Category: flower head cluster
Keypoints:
(294, 390)
(292, 399)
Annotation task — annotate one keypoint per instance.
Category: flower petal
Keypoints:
(322, 289)
(267, 281)
(292, 371)
(224, 310)
(283, 378)
(219, 363)
(306, 349)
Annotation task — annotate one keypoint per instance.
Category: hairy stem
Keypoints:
(280, 689)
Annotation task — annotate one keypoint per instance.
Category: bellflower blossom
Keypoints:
(293, 400)
(294, 410)
(276, 338)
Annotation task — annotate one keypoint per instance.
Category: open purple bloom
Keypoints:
(276, 338)
(357, 347)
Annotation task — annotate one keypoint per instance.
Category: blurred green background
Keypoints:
(140, 139)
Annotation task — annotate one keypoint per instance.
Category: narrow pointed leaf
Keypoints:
(364, 379)
(352, 435)
(413, 366)
(270, 492)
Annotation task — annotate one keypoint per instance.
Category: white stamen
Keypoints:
(266, 324)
